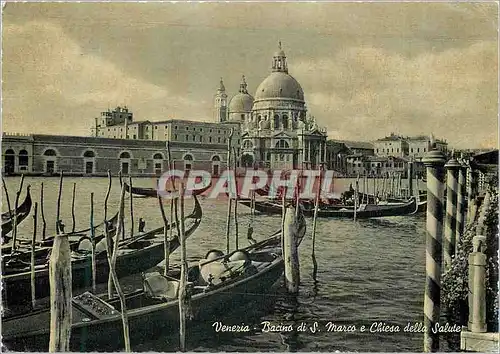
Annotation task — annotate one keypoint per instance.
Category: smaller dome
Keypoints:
(279, 53)
(241, 102)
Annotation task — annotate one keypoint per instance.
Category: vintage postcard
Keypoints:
(250, 176)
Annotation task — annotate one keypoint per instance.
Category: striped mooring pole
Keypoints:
(450, 227)
(434, 162)
(461, 202)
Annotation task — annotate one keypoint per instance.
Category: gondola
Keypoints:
(22, 212)
(153, 193)
(22, 255)
(364, 212)
(219, 283)
(74, 237)
(134, 256)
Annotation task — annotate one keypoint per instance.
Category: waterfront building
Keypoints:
(39, 154)
(276, 131)
(415, 147)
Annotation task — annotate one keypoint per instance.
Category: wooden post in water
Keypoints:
(58, 213)
(33, 243)
(356, 198)
(230, 200)
(184, 295)
(434, 161)
(60, 280)
(115, 242)
(112, 250)
(290, 251)
(449, 240)
(166, 241)
(315, 218)
(92, 241)
(73, 225)
(14, 221)
(236, 243)
(410, 178)
(131, 208)
(44, 228)
(7, 197)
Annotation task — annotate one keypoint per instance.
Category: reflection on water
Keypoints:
(367, 271)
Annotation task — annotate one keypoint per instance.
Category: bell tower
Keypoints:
(220, 103)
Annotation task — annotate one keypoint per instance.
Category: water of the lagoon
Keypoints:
(368, 271)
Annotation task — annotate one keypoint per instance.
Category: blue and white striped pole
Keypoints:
(450, 227)
(434, 161)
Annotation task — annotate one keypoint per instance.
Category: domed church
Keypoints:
(276, 131)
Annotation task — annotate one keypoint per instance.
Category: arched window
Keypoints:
(23, 158)
(247, 144)
(276, 121)
(158, 156)
(284, 121)
(9, 161)
(49, 152)
(124, 155)
(215, 165)
(282, 144)
(216, 158)
(188, 157)
(259, 118)
(89, 153)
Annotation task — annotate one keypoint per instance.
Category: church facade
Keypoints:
(276, 131)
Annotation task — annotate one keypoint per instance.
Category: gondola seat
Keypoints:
(157, 286)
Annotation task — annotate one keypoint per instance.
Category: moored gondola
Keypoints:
(22, 212)
(135, 255)
(325, 211)
(218, 284)
(153, 193)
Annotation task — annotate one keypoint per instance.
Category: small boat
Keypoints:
(22, 212)
(365, 211)
(219, 283)
(135, 255)
(153, 193)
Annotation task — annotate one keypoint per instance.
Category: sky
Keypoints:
(367, 69)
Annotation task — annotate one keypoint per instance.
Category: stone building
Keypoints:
(276, 131)
(39, 154)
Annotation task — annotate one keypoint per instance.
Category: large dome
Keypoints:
(241, 102)
(279, 85)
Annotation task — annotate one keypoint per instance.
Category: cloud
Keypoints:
(367, 92)
(47, 74)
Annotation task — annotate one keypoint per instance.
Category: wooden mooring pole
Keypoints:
(7, 197)
(230, 200)
(73, 225)
(42, 214)
(434, 161)
(166, 241)
(184, 292)
(92, 241)
(33, 246)
(114, 242)
(131, 207)
(58, 212)
(14, 221)
(290, 251)
(112, 250)
(236, 236)
(60, 280)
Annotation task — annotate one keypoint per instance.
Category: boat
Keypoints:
(134, 255)
(365, 211)
(153, 193)
(22, 213)
(218, 284)
(74, 237)
(22, 254)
